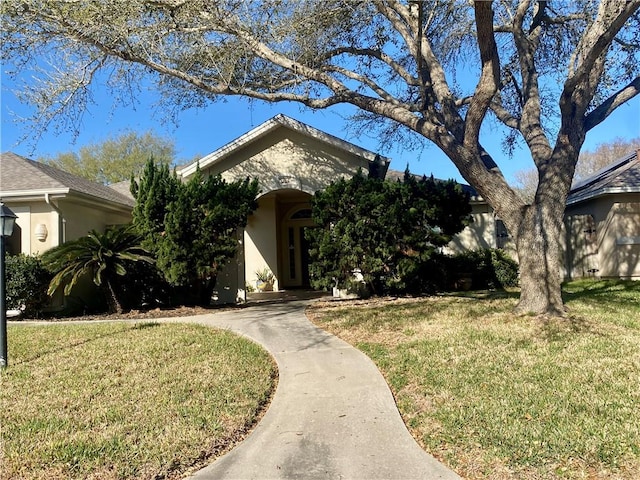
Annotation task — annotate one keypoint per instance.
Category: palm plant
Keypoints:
(103, 256)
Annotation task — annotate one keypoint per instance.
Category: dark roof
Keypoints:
(621, 176)
(20, 175)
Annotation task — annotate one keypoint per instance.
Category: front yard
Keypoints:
(126, 400)
(495, 396)
(492, 395)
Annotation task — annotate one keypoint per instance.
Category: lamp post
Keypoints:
(7, 221)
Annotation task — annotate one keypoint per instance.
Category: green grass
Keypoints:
(123, 400)
(495, 395)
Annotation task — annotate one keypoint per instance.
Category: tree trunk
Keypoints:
(539, 251)
(112, 299)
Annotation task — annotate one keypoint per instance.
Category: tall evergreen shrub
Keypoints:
(191, 227)
(384, 230)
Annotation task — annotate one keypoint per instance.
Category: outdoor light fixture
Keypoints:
(7, 222)
(41, 232)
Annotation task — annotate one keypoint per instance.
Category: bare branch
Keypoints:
(488, 84)
(606, 108)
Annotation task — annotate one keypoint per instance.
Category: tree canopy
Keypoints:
(548, 72)
(116, 158)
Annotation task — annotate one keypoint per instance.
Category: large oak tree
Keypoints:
(547, 71)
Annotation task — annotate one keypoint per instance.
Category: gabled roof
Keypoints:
(21, 177)
(269, 126)
(123, 188)
(621, 176)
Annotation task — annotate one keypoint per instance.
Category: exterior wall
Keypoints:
(481, 233)
(30, 215)
(617, 234)
(44, 214)
(80, 219)
(285, 159)
(261, 241)
(69, 222)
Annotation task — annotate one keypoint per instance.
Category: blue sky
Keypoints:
(198, 132)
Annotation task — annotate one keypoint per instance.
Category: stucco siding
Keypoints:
(287, 159)
(44, 214)
(617, 237)
(81, 219)
(624, 238)
(261, 241)
(480, 233)
(63, 220)
(30, 216)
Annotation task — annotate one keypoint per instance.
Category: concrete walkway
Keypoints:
(332, 416)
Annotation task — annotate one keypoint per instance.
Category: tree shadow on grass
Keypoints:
(582, 289)
(556, 329)
(86, 341)
(485, 294)
(606, 293)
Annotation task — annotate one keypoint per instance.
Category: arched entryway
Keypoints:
(274, 239)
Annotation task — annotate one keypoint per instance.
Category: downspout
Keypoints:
(62, 232)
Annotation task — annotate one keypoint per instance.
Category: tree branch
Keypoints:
(531, 118)
(606, 108)
(489, 77)
(378, 55)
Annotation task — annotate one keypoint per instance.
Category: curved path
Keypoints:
(332, 415)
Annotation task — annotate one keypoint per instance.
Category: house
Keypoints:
(292, 161)
(54, 206)
(602, 221)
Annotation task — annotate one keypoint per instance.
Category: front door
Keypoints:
(296, 249)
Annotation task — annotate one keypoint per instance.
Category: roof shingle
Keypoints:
(621, 176)
(19, 174)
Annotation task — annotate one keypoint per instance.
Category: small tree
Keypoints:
(155, 190)
(381, 228)
(102, 256)
(191, 227)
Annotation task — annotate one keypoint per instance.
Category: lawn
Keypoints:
(126, 400)
(499, 396)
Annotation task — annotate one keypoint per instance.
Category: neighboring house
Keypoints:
(603, 223)
(54, 206)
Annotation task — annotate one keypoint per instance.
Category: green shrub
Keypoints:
(423, 275)
(505, 268)
(487, 268)
(386, 230)
(26, 283)
(144, 287)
